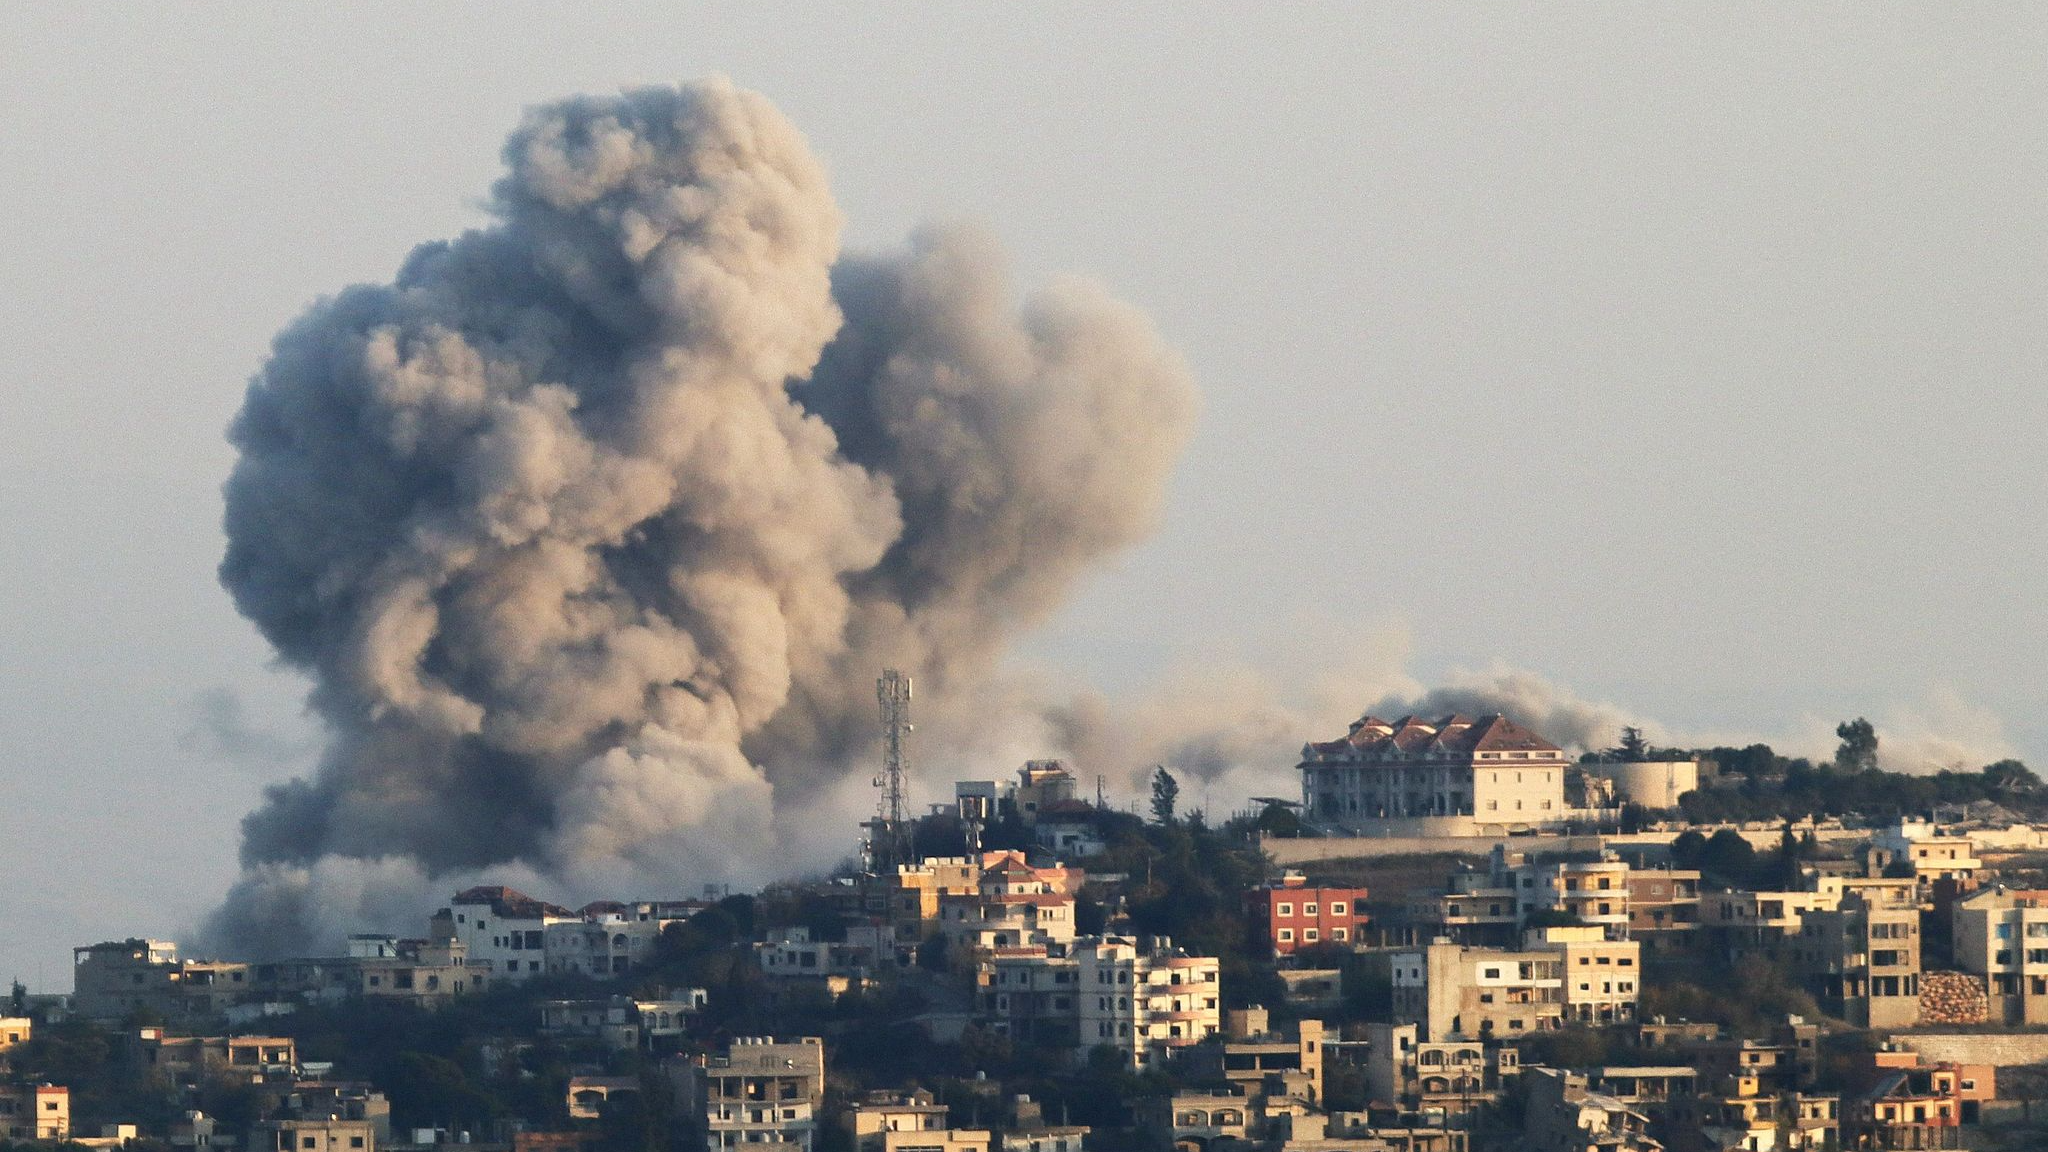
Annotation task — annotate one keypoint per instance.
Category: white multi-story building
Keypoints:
(1145, 1002)
(600, 946)
(1930, 851)
(502, 928)
(1447, 775)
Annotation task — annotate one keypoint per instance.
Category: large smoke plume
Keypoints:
(593, 527)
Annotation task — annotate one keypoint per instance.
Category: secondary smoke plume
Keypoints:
(593, 527)
(1231, 735)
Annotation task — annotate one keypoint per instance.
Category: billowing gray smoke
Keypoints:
(595, 525)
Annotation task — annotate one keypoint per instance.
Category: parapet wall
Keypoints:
(1311, 849)
(1470, 841)
(2002, 1049)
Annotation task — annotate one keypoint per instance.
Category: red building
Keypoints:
(1291, 915)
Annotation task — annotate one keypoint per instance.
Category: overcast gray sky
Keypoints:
(1689, 358)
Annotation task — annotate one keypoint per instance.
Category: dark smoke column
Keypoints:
(591, 558)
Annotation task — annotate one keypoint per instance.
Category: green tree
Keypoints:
(1279, 820)
(1689, 849)
(1858, 752)
(1784, 863)
(1634, 749)
(1165, 795)
(1729, 856)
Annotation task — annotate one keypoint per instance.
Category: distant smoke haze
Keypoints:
(1235, 733)
(595, 525)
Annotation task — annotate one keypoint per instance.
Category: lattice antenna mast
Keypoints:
(893, 692)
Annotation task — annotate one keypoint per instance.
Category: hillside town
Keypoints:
(1458, 938)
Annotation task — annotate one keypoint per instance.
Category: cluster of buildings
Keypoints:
(1032, 942)
(487, 936)
(290, 1102)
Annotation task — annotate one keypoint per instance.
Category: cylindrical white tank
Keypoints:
(1652, 783)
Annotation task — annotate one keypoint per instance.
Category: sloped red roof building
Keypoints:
(1489, 769)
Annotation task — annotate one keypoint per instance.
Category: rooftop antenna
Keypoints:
(888, 845)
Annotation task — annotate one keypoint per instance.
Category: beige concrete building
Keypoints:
(1195, 1119)
(760, 1091)
(422, 973)
(188, 1061)
(1259, 1060)
(1739, 922)
(887, 1122)
(113, 979)
(35, 1112)
(1744, 1114)
(2001, 934)
(314, 1135)
(1927, 850)
(1602, 976)
(1594, 892)
(15, 1030)
(915, 890)
(1865, 960)
(1489, 907)
(589, 1096)
(1455, 775)
(1564, 1115)
(1451, 991)
(623, 1022)
(1031, 997)
(1448, 1079)
(1045, 1138)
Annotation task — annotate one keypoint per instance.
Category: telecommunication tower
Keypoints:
(889, 839)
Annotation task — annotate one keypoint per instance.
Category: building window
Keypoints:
(1283, 909)
(1337, 907)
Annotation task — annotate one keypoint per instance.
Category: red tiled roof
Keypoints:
(1457, 734)
(510, 903)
